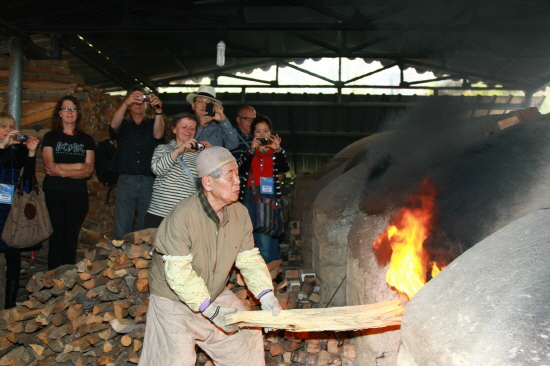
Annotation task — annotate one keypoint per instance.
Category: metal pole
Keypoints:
(15, 80)
(56, 42)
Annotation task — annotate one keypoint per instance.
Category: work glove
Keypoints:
(216, 314)
(270, 302)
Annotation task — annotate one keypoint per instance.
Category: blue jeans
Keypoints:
(133, 194)
(268, 246)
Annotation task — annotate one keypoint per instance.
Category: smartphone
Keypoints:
(263, 141)
(210, 109)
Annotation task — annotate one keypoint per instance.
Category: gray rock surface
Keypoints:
(491, 306)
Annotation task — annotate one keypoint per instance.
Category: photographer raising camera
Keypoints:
(174, 165)
(213, 126)
(261, 190)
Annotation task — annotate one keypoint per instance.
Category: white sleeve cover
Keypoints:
(254, 270)
(184, 281)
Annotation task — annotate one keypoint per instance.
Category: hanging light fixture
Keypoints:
(220, 59)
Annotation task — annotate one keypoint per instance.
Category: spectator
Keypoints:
(245, 116)
(261, 165)
(14, 155)
(175, 170)
(68, 155)
(137, 136)
(214, 128)
(196, 246)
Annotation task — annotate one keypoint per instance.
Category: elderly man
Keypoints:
(137, 137)
(214, 126)
(245, 116)
(195, 247)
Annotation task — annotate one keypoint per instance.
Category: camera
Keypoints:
(263, 141)
(21, 138)
(146, 97)
(200, 147)
(209, 109)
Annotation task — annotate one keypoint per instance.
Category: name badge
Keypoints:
(6, 193)
(266, 185)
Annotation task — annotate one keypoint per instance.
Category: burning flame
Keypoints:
(408, 229)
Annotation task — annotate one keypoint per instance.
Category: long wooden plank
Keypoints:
(343, 318)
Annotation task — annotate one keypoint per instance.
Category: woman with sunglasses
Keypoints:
(68, 155)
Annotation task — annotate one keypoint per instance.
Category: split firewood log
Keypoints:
(146, 236)
(314, 320)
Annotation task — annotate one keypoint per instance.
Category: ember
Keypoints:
(408, 229)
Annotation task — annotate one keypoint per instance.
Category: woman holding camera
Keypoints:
(261, 166)
(174, 165)
(68, 155)
(16, 152)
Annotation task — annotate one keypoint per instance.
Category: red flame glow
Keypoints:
(408, 229)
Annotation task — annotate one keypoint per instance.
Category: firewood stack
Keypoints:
(91, 313)
(94, 312)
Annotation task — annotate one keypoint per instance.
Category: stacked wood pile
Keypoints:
(91, 313)
(94, 312)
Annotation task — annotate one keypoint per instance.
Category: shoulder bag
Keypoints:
(28, 222)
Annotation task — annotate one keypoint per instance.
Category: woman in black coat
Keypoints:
(14, 155)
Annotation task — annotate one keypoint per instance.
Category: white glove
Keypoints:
(270, 302)
(216, 314)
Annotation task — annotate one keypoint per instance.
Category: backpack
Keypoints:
(106, 164)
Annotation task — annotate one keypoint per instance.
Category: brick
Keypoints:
(292, 274)
(276, 350)
(315, 297)
(324, 358)
(349, 350)
(313, 346)
(299, 357)
(311, 359)
(332, 346)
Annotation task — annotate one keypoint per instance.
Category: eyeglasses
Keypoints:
(66, 109)
(202, 101)
(247, 118)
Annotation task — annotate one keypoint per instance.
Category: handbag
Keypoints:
(28, 222)
(269, 218)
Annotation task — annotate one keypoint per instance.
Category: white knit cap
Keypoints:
(211, 159)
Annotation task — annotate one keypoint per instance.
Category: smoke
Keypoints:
(420, 138)
(483, 181)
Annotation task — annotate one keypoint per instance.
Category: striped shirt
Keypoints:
(172, 183)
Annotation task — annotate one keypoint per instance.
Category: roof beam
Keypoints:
(538, 84)
(165, 82)
(306, 72)
(99, 69)
(170, 27)
(315, 42)
(517, 85)
(320, 9)
(31, 50)
(118, 61)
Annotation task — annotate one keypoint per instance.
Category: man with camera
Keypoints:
(245, 116)
(137, 137)
(196, 246)
(214, 126)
